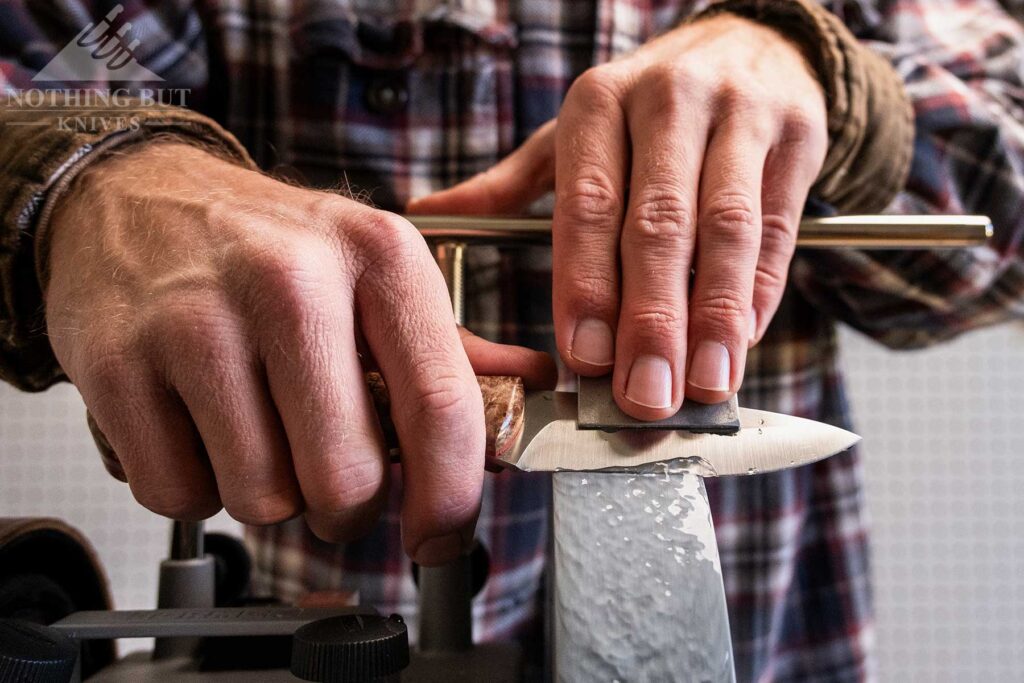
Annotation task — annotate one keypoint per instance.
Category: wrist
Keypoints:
(793, 22)
(148, 166)
(112, 183)
(870, 119)
(780, 46)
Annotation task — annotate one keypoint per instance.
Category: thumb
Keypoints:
(537, 369)
(509, 187)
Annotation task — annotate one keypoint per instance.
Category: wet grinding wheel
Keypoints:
(47, 571)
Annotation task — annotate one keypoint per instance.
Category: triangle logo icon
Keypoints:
(101, 52)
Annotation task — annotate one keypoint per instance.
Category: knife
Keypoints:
(636, 582)
(540, 431)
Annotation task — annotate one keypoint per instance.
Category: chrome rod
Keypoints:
(187, 540)
(445, 593)
(862, 232)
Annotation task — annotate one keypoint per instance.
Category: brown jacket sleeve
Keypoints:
(870, 117)
(40, 154)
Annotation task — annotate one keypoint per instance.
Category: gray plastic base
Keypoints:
(184, 583)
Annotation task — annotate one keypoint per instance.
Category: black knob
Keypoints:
(30, 653)
(350, 649)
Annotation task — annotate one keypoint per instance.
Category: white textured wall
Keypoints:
(944, 443)
(944, 439)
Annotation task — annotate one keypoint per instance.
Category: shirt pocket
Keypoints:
(378, 99)
(365, 36)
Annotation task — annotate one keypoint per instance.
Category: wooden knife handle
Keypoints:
(504, 411)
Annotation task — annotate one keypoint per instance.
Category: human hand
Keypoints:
(213, 319)
(696, 151)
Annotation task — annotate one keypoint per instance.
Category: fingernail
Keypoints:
(440, 550)
(650, 382)
(752, 324)
(709, 368)
(593, 343)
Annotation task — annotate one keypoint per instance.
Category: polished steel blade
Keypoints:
(638, 592)
(766, 442)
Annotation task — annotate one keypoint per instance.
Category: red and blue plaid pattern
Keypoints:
(295, 81)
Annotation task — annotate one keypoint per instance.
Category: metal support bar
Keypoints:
(187, 580)
(177, 623)
(187, 540)
(446, 616)
(445, 593)
(862, 232)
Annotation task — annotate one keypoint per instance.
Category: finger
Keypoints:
(216, 372)
(156, 443)
(509, 187)
(537, 369)
(668, 134)
(437, 409)
(591, 160)
(790, 170)
(110, 460)
(729, 239)
(318, 387)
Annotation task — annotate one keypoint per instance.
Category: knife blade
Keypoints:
(766, 442)
(539, 431)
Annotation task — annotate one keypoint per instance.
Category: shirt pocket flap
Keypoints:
(394, 40)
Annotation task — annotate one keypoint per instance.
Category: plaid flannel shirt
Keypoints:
(401, 98)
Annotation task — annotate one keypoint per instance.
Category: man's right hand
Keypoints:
(213, 319)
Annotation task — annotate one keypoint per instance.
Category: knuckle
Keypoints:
(178, 502)
(719, 308)
(389, 245)
(778, 237)
(778, 227)
(663, 217)
(802, 124)
(666, 87)
(386, 232)
(265, 508)
(597, 87)
(287, 286)
(593, 292)
(289, 268)
(444, 399)
(732, 217)
(760, 129)
(353, 486)
(737, 97)
(657, 320)
(591, 199)
(770, 277)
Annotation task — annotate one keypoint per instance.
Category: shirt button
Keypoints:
(386, 96)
